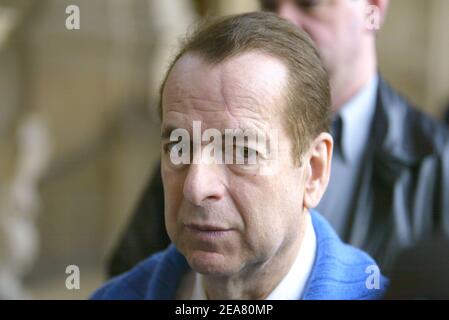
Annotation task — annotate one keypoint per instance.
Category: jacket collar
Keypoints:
(396, 137)
(340, 270)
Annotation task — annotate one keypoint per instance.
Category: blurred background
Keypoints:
(79, 135)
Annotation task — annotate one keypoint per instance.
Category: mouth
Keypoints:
(207, 232)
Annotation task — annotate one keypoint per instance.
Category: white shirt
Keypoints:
(294, 282)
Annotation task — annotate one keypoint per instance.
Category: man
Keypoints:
(246, 229)
(391, 163)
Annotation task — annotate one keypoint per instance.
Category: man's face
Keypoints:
(227, 218)
(338, 27)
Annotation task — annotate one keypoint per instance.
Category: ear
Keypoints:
(382, 7)
(317, 164)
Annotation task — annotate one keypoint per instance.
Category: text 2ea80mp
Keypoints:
(245, 309)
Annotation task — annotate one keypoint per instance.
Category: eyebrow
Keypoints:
(167, 130)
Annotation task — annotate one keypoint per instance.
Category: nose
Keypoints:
(204, 182)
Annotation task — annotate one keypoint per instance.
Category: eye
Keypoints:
(179, 153)
(273, 5)
(307, 4)
(269, 5)
(247, 155)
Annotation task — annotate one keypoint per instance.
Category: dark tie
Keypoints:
(336, 131)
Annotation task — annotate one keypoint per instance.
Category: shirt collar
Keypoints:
(294, 282)
(356, 117)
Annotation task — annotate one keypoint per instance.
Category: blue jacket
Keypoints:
(339, 272)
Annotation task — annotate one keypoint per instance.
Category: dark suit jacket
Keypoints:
(402, 194)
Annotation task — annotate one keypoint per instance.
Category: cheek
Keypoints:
(261, 211)
(285, 202)
(324, 36)
(352, 28)
(173, 195)
(173, 183)
(319, 31)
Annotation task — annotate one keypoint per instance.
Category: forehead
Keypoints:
(247, 88)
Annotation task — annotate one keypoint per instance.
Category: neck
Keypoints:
(346, 82)
(256, 281)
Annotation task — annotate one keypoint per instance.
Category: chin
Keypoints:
(210, 263)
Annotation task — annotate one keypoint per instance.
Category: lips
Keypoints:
(206, 228)
(207, 233)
